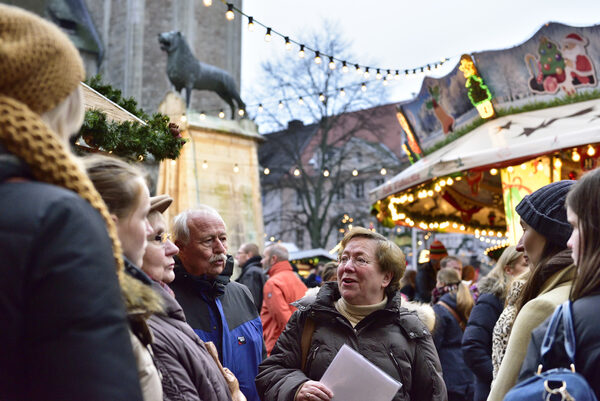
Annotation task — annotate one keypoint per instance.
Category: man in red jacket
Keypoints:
(281, 289)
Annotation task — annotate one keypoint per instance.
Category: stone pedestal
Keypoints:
(218, 166)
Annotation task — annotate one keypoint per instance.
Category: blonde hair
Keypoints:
(464, 299)
(508, 258)
(117, 182)
(66, 118)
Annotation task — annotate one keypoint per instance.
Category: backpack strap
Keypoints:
(307, 333)
(562, 312)
(569, 331)
(461, 322)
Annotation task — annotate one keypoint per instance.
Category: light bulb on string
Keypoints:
(207, 3)
(301, 51)
(397, 75)
(300, 100)
(260, 108)
(322, 97)
(229, 13)
(575, 156)
(383, 171)
(204, 164)
(288, 44)
(493, 171)
(297, 172)
(378, 74)
(428, 67)
(591, 151)
(355, 172)
(241, 112)
(357, 68)
(317, 57)
(325, 173)
(363, 87)
(236, 168)
(385, 81)
(202, 115)
(344, 67)
(406, 72)
(389, 75)
(331, 63)
(557, 163)
(280, 105)
(250, 24)
(268, 35)
(266, 171)
(367, 74)
(221, 114)
(342, 92)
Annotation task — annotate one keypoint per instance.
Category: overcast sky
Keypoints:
(403, 34)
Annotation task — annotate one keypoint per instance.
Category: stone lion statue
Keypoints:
(185, 71)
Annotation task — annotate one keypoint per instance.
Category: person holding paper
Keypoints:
(363, 311)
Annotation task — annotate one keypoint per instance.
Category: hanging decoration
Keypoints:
(479, 94)
(130, 140)
(412, 140)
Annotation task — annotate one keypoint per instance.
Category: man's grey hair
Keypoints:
(279, 251)
(444, 262)
(181, 230)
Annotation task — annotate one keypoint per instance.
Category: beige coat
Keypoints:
(150, 380)
(554, 292)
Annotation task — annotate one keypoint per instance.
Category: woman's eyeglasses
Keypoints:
(162, 238)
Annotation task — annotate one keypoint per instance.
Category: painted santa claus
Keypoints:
(578, 65)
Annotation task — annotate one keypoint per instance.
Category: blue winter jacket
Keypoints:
(477, 342)
(222, 311)
(447, 336)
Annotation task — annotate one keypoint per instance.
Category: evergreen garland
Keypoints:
(130, 140)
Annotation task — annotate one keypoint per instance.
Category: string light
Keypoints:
(367, 73)
(300, 100)
(344, 67)
(288, 44)
(202, 116)
(268, 35)
(260, 108)
(355, 172)
(204, 164)
(301, 52)
(229, 14)
(280, 105)
(297, 172)
(383, 171)
(342, 92)
(493, 171)
(357, 68)
(322, 97)
(331, 63)
(207, 3)
(378, 74)
(385, 81)
(241, 112)
(363, 87)
(236, 168)
(221, 114)
(575, 156)
(266, 171)
(317, 57)
(325, 173)
(591, 151)
(397, 75)
(250, 24)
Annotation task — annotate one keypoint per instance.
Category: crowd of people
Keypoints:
(99, 301)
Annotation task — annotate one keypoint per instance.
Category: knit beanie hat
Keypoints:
(39, 66)
(545, 212)
(437, 250)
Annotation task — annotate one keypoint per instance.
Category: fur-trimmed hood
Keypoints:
(491, 285)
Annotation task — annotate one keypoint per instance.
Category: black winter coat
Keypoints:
(63, 328)
(254, 278)
(425, 282)
(447, 336)
(587, 350)
(393, 339)
(477, 342)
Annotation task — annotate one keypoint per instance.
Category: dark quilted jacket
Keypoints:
(188, 370)
(393, 339)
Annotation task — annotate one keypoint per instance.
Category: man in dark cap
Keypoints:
(426, 272)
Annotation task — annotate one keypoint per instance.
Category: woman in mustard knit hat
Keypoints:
(64, 332)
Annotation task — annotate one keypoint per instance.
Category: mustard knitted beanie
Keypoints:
(39, 66)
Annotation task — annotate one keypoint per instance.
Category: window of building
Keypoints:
(300, 238)
(379, 181)
(340, 193)
(359, 189)
(298, 197)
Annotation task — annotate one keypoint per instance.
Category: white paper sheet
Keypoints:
(352, 377)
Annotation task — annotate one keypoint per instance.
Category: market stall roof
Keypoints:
(94, 100)
(505, 140)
